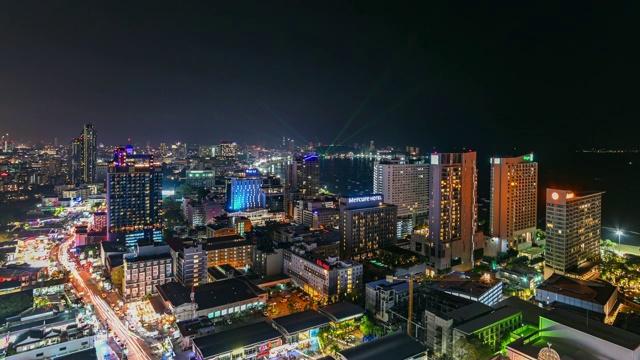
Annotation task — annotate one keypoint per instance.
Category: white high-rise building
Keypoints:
(406, 186)
(514, 189)
(573, 231)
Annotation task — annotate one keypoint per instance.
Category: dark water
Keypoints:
(618, 175)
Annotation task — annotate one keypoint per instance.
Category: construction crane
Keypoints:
(422, 277)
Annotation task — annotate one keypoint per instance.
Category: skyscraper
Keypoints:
(82, 156)
(453, 211)
(303, 173)
(366, 224)
(75, 160)
(406, 186)
(514, 189)
(89, 160)
(134, 198)
(228, 150)
(302, 180)
(573, 230)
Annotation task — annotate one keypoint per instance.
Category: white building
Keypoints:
(573, 230)
(324, 277)
(382, 295)
(150, 266)
(407, 187)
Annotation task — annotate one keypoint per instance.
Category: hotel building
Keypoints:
(453, 211)
(573, 230)
(406, 186)
(366, 224)
(514, 189)
(323, 277)
(134, 198)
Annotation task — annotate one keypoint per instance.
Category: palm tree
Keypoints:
(334, 349)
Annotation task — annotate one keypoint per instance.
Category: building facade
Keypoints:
(134, 198)
(406, 186)
(189, 261)
(573, 230)
(513, 206)
(143, 272)
(201, 178)
(453, 210)
(325, 277)
(234, 250)
(366, 224)
(303, 174)
(244, 193)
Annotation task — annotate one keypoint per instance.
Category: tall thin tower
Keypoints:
(89, 160)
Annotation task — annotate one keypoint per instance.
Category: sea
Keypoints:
(617, 174)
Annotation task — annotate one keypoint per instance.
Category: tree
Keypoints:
(183, 190)
(366, 326)
(470, 349)
(334, 349)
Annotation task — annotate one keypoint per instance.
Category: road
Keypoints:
(137, 347)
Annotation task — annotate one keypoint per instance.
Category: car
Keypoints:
(265, 313)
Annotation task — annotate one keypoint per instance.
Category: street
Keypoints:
(136, 348)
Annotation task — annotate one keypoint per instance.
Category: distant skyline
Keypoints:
(482, 76)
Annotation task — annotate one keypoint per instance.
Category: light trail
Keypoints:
(102, 309)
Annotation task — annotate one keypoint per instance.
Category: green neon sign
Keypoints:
(528, 157)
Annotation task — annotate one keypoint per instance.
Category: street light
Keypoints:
(619, 233)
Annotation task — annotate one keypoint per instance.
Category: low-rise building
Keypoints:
(566, 335)
(253, 341)
(484, 289)
(395, 346)
(597, 297)
(382, 295)
(301, 328)
(321, 277)
(490, 328)
(214, 299)
(234, 250)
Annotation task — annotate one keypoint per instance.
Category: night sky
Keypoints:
(536, 76)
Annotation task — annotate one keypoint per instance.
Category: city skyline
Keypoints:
(208, 72)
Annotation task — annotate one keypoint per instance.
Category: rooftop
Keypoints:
(469, 312)
(395, 346)
(399, 286)
(199, 325)
(226, 341)
(224, 242)
(600, 330)
(469, 284)
(488, 320)
(578, 289)
(210, 295)
(151, 257)
(530, 313)
(342, 311)
(328, 263)
(304, 320)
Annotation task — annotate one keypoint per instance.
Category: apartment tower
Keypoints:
(514, 189)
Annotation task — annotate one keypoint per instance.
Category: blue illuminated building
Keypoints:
(245, 192)
(134, 198)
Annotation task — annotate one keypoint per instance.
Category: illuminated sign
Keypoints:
(360, 199)
(555, 195)
(251, 171)
(311, 157)
(321, 263)
(528, 157)
(4, 174)
(570, 195)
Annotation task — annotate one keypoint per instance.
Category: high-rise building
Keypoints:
(145, 268)
(366, 224)
(245, 192)
(453, 211)
(573, 230)
(302, 180)
(201, 178)
(406, 186)
(228, 150)
(272, 193)
(82, 156)
(189, 261)
(134, 198)
(75, 161)
(303, 173)
(89, 159)
(514, 189)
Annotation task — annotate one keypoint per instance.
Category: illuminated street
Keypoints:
(136, 348)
